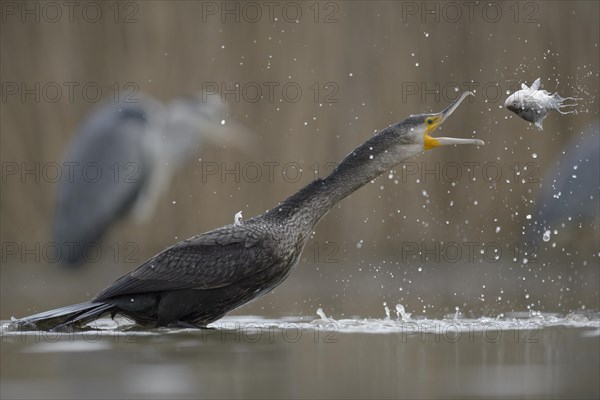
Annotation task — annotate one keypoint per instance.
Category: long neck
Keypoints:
(377, 155)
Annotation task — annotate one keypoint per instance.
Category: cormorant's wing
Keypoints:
(211, 260)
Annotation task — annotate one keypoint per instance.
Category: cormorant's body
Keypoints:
(199, 280)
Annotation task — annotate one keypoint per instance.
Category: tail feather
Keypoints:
(92, 314)
(69, 316)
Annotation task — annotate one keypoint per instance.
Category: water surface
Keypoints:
(520, 355)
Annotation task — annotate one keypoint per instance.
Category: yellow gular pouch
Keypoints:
(432, 123)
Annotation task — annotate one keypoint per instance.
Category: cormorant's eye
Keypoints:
(429, 121)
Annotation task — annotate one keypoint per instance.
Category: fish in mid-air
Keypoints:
(533, 104)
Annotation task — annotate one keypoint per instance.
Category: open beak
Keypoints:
(438, 119)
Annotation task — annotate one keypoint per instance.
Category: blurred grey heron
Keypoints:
(198, 280)
(122, 159)
(569, 200)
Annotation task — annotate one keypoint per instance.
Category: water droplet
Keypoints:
(546, 236)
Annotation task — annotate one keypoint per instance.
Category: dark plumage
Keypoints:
(199, 280)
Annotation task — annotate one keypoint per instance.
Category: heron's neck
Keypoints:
(374, 157)
(180, 142)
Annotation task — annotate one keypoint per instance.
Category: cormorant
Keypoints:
(198, 280)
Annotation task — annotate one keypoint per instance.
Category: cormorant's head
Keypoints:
(418, 128)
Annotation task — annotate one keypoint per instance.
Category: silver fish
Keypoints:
(533, 104)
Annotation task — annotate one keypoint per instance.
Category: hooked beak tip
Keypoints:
(450, 109)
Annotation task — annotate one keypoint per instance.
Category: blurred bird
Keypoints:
(533, 104)
(123, 157)
(197, 281)
(568, 202)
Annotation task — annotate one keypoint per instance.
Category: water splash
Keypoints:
(321, 314)
(387, 311)
(525, 321)
(402, 314)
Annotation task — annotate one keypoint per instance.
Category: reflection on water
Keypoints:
(514, 356)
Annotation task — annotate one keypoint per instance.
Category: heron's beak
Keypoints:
(233, 134)
(438, 119)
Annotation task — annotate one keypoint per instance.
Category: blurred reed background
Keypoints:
(372, 56)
